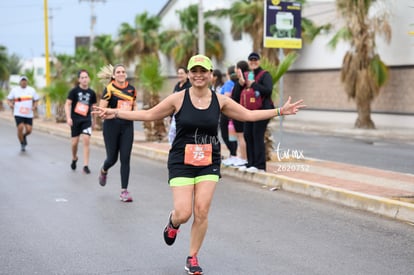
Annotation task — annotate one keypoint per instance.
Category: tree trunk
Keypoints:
(160, 132)
(268, 144)
(153, 130)
(364, 120)
(147, 125)
(60, 113)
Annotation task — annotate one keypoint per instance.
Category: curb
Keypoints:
(378, 205)
(382, 206)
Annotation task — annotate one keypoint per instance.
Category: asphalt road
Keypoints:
(55, 221)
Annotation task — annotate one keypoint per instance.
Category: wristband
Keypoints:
(278, 111)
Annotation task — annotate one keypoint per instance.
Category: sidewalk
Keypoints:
(386, 193)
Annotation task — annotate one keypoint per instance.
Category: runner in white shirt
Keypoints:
(23, 100)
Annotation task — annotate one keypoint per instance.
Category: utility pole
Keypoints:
(201, 40)
(52, 43)
(93, 20)
(48, 105)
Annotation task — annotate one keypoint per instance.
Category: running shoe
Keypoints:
(23, 147)
(73, 164)
(24, 140)
(192, 266)
(102, 178)
(229, 161)
(170, 232)
(239, 162)
(86, 170)
(125, 196)
(252, 169)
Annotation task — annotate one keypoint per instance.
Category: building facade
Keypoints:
(315, 76)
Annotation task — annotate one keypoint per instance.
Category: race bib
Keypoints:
(198, 154)
(81, 109)
(124, 105)
(24, 110)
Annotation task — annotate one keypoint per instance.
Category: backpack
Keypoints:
(248, 97)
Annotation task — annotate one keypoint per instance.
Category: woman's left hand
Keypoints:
(291, 108)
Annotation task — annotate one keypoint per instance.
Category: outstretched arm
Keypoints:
(234, 110)
(161, 110)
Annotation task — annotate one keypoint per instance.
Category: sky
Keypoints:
(22, 29)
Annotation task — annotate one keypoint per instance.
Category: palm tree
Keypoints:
(181, 44)
(363, 72)
(151, 80)
(141, 41)
(104, 48)
(58, 92)
(4, 74)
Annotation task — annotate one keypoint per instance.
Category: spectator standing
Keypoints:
(225, 123)
(241, 67)
(254, 132)
(217, 81)
(182, 84)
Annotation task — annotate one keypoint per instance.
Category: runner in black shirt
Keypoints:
(78, 109)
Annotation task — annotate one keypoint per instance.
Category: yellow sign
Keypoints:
(282, 25)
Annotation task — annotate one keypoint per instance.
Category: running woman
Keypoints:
(118, 133)
(78, 109)
(23, 101)
(194, 158)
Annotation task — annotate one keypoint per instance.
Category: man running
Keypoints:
(78, 116)
(23, 100)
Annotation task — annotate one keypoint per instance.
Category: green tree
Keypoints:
(14, 64)
(104, 48)
(141, 42)
(58, 91)
(181, 44)
(4, 61)
(4, 74)
(150, 79)
(363, 72)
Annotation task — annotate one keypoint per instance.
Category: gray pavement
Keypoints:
(386, 193)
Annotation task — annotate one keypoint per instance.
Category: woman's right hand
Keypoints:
(104, 113)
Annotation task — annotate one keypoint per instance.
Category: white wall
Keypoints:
(316, 55)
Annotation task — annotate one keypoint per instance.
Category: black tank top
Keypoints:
(195, 126)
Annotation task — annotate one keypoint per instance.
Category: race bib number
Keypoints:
(124, 105)
(81, 109)
(198, 154)
(24, 110)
